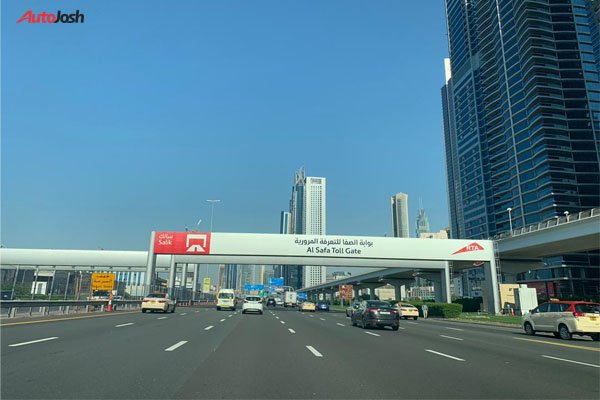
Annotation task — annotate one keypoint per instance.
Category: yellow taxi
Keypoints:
(308, 306)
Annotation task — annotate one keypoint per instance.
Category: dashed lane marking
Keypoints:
(444, 355)
(162, 317)
(454, 329)
(372, 334)
(223, 320)
(291, 330)
(33, 341)
(176, 345)
(122, 325)
(451, 337)
(337, 323)
(314, 351)
(574, 362)
(208, 328)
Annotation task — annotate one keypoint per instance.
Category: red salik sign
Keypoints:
(182, 243)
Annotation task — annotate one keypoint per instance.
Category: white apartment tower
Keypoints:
(314, 223)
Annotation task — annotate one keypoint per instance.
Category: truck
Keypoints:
(290, 299)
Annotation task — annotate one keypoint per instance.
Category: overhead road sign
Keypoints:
(250, 288)
(275, 282)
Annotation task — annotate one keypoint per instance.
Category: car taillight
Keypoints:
(372, 310)
(162, 301)
(578, 314)
(394, 312)
(245, 301)
(145, 301)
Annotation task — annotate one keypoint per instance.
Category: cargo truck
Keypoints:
(290, 299)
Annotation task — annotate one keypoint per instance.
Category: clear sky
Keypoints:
(128, 122)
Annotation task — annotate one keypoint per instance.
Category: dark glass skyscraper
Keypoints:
(521, 113)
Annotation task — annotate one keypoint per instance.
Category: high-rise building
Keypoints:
(315, 194)
(521, 108)
(422, 221)
(285, 228)
(231, 277)
(400, 225)
(308, 217)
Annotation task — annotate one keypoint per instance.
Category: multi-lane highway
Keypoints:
(202, 353)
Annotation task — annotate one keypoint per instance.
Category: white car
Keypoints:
(158, 302)
(279, 301)
(252, 304)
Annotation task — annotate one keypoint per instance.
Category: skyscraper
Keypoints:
(285, 228)
(400, 225)
(315, 194)
(308, 213)
(422, 221)
(521, 108)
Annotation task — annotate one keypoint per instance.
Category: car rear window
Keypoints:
(587, 308)
(226, 295)
(253, 298)
(407, 305)
(157, 295)
(378, 304)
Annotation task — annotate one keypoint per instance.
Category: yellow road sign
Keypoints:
(103, 281)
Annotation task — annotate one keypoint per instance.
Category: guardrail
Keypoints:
(594, 212)
(44, 307)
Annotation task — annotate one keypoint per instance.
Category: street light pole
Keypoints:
(510, 219)
(212, 210)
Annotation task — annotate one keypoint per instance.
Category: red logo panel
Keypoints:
(195, 243)
(472, 247)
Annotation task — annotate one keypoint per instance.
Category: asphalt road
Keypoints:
(202, 353)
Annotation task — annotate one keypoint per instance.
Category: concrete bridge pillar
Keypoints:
(172, 272)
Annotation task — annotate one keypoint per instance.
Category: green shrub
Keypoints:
(445, 310)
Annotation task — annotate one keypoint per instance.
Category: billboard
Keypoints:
(206, 284)
(103, 281)
(191, 243)
(346, 292)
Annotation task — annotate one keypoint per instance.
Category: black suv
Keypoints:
(271, 302)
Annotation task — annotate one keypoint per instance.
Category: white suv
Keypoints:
(564, 319)
(252, 304)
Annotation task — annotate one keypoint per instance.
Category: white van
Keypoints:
(226, 299)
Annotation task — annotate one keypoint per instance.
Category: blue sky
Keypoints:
(128, 122)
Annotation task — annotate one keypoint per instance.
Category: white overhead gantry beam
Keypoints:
(339, 251)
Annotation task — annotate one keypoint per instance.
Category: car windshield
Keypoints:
(587, 308)
(226, 295)
(157, 295)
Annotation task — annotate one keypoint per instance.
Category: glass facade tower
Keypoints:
(521, 108)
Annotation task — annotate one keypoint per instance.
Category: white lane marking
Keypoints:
(454, 329)
(401, 328)
(337, 323)
(118, 326)
(223, 320)
(574, 362)
(162, 317)
(322, 319)
(230, 315)
(444, 355)
(282, 322)
(412, 323)
(371, 333)
(176, 345)
(450, 337)
(208, 328)
(291, 330)
(314, 351)
(276, 317)
(312, 316)
(33, 341)
(183, 313)
(198, 311)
